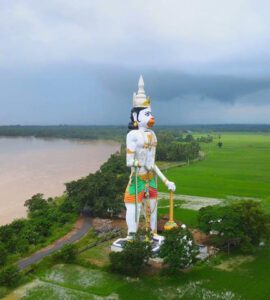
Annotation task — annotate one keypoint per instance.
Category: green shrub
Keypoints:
(67, 254)
(178, 249)
(134, 256)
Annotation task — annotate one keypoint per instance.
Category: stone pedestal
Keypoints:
(156, 242)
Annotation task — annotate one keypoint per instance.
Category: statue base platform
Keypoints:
(156, 242)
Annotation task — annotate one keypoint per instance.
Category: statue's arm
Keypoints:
(170, 185)
(131, 143)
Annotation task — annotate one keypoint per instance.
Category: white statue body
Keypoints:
(141, 145)
(142, 142)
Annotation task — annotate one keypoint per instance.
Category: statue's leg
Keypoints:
(130, 217)
(153, 206)
(153, 217)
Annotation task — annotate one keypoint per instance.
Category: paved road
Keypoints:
(81, 228)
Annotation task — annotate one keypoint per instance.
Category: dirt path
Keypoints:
(192, 202)
(80, 229)
(197, 202)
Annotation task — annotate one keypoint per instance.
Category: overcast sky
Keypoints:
(78, 62)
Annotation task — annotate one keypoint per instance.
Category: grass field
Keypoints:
(98, 255)
(240, 168)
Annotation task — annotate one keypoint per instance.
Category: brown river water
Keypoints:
(31, 165)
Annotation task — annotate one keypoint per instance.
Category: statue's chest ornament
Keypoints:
(146, 149)
(149, 141)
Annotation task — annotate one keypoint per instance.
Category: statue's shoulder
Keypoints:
(132, 134)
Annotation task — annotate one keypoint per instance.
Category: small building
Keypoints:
(203, 241)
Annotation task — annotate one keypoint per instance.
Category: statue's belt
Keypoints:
(146, 176)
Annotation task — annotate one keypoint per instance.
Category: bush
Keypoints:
(10, 276)
(67, 254)
(134, 256)
(178, 249)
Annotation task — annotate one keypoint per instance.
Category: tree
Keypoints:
(36, 205)
(178, 249)
(224, 221)
(205, 139)
(241, 225)
(67, 254)
(9, 276)
(255, 222)
(3, 254)
(220, 144)
(189, 138)
(42, 226)
(134, 256)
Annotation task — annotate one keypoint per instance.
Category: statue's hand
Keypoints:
(136, 163)
(149, 167)
(171, 186)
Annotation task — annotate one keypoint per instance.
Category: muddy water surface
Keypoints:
(31, 165)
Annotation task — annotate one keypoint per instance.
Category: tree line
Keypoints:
(118, 132)
(65, 132)
(176, 147)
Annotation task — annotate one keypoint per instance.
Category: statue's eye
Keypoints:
(147, 114)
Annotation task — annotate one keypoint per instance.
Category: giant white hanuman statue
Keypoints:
(141, 149)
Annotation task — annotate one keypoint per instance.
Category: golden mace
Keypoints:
(170, 224)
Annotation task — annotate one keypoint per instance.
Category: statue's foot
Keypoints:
(158, 238)
(131, 236)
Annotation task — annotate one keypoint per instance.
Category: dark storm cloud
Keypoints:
(167, 85)
(92, 94)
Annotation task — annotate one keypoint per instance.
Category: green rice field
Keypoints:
(240, 168)
(249, 280)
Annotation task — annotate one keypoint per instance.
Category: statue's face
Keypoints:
(145, 118)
